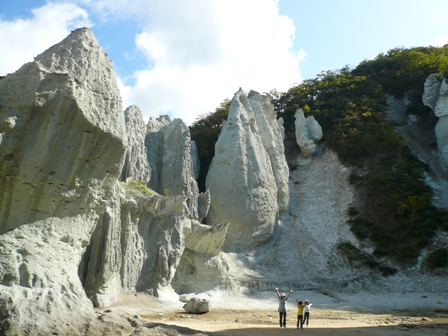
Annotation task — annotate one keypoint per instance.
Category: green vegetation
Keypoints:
(359, 258)
(205, 132)
(403, 71)
(139, 186)
(396, 215)
(437, 259)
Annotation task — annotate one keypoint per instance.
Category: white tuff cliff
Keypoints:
(248, 176)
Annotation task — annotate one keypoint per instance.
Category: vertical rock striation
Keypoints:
(308, 133)
(140, 238)
(136, 164)
(61, 148)
(169, 148)
(436, 97)
(248, 177)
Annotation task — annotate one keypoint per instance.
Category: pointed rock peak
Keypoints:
(249, 164)
(308, 133)
(79, 65)
(78, 51)
(136, 161)
(155, 124)
(133, 115)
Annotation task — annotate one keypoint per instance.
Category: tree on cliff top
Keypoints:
(350, 106)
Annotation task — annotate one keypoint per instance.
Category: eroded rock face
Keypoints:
(154, 142)
(169, 153)
(195, 159)
(248, 177)
(139, 242)
(70, 230)
(281, 122)
(153, 229)
(436, 97)
(436, 94)
(136, 164)
(140, 239)
(62, 149)
(308, 133)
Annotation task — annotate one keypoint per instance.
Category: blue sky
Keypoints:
(183, 57)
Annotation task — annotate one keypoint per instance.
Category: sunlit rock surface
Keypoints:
(169, 148)
(62, 148)
(136, 165)
(436, 97)
(308, 133)
(248, 177)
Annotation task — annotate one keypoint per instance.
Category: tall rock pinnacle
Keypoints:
(248, 177)
(61, 150)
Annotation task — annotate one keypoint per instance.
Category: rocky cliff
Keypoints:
(62, 149)
(248, 175)
(95, 204)
(436, 97)
(79, 223)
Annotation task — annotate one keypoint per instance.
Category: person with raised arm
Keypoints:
(307, 311)
(282, 306)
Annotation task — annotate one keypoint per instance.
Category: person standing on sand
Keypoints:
(300, 307)
(282, 306)
(307, 311)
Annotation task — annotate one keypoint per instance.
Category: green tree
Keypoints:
(350, 106)
(205, 131)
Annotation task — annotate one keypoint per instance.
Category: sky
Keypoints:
(184, 57)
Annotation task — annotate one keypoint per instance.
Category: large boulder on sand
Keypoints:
(62, 149)
(248, 177)
(197, 306)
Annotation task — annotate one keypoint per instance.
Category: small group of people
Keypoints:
(303, 310)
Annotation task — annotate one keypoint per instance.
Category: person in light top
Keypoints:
(307, 311)
(282, 306)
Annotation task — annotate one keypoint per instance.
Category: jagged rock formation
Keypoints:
(304, 251)
(248, 176)
(195, 159)
(281, 122)
(436, 97)
(140, 239)
(154, 140)
(136, 164)
(169, 148)
(75, 232)
(62, 149)
(138, 243)
(308, 133)
(70, 230)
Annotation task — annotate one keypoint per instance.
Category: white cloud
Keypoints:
(200, 52)
(23, 39)
(441, 41)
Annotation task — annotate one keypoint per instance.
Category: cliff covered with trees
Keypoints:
(394, 208)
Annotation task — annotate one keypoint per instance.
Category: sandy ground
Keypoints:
(403, 314)
(323, 322)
